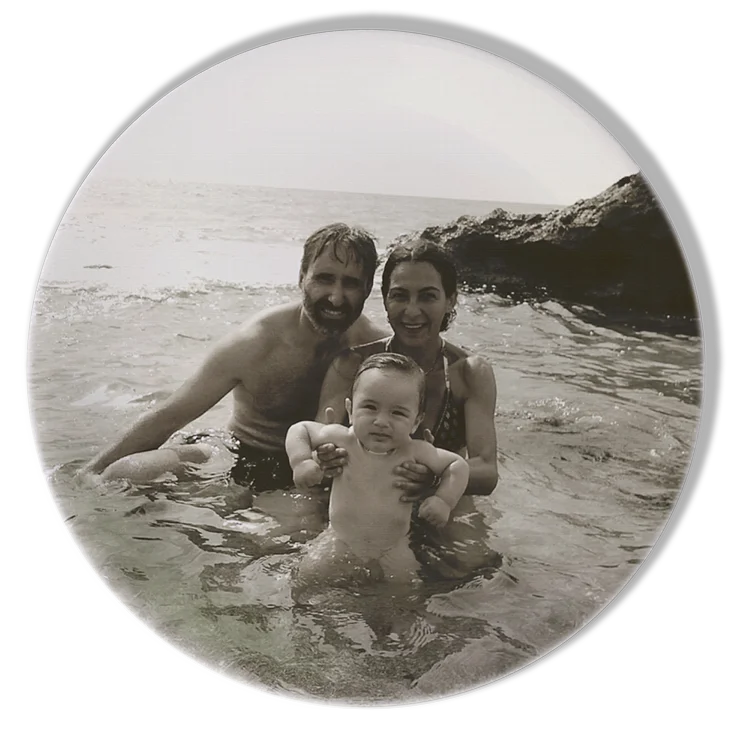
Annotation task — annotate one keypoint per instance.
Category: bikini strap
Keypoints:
(446, 366)
(445, 408)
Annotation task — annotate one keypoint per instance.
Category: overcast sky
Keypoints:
(374, 111)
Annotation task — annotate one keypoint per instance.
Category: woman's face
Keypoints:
(416, 302)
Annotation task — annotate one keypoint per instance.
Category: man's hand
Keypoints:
(330, 458)
(435, 511)
(307, 475)
(416, 480)
(86, 478)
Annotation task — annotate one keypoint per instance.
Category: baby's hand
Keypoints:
(307, 474)
(435, 511)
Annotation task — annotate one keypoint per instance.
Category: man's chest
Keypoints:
(285, 384)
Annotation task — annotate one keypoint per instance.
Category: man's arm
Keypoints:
(210, 383)
(480, 429)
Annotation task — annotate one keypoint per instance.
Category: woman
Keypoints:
(419, 288)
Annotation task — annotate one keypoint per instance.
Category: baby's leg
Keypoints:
(395, 616)
(327, 561)
(331, 562)
(152, 464)
(399, 564)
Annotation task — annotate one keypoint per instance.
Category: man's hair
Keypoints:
(394, 362)
(419, 250)
(357, 242)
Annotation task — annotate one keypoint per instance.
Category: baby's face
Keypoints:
(385, 409)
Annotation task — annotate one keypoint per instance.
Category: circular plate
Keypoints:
(574, 288)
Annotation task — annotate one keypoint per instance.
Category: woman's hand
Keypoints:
(416, 480)
(329, 457)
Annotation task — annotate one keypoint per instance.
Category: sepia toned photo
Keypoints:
(365, 367)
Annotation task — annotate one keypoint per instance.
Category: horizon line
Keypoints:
(170, 180)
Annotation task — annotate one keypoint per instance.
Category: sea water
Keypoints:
(595, 429)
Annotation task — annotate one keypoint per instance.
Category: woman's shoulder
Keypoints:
(470, 368)
(463, 359)
(455, 353)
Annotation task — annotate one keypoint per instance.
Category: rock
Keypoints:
(615, 252)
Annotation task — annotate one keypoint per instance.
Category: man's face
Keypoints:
(333, 291)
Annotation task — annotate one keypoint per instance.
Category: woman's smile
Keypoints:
(413, 326)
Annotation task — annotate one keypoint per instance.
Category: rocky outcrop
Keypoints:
(615, 252)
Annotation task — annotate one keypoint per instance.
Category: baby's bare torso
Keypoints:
(365, 509)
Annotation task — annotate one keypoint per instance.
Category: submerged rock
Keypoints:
(615, 252)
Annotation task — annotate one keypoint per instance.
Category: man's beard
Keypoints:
(326, 325)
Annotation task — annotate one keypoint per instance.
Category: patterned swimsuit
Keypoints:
(449, 430)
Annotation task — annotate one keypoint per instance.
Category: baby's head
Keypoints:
(388, 399)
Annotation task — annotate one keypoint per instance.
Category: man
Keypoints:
(274, 364)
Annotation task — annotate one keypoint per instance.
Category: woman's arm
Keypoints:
(480, 408)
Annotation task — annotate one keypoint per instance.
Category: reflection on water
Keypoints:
(595, 434)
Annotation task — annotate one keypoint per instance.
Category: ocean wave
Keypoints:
(50, 289)
(552, 317)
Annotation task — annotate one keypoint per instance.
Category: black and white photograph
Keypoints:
(365, 367)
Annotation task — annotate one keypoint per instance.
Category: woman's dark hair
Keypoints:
(422, 251)
(394, 362)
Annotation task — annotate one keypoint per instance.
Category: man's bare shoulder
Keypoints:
(263, 327)
(363, 331)
(251, 344)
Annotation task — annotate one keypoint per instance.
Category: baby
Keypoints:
(369, 524)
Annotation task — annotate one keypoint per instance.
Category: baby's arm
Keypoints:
(301, 441)
(453, 472)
